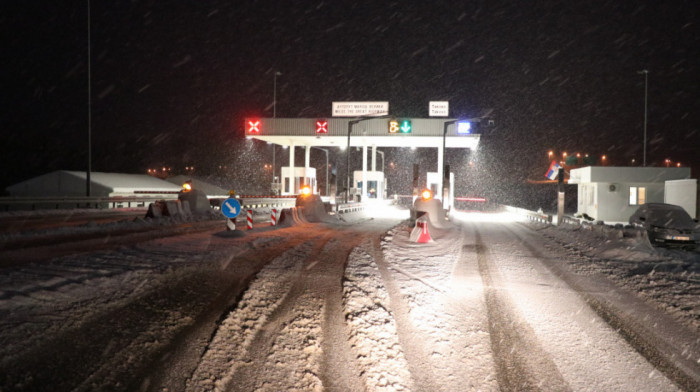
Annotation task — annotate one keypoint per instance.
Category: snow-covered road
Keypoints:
(488, 305)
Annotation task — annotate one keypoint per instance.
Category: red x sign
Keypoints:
(254, 126)
(322, 126)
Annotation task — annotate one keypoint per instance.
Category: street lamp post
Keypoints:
(347, 160)
(383, 176)
(442, 181)
(646, 90)
(89, 61)
(274, 94)
(273, 169)
(327, 182)
(274, 115)
(381, 152)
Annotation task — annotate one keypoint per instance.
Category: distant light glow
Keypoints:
(306, 190)
(427, 194)
(464, 127)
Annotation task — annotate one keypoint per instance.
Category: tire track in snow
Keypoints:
(521, 363)
(680, 367)
(285, 328)
(228, 350)
(285, 353)
(442, 289)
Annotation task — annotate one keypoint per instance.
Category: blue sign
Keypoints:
(464, 127)
(231, 208)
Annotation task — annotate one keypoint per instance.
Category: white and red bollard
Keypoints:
(273, 217)
(250, 219)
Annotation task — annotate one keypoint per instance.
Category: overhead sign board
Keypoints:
(357, 109)
(439, 108)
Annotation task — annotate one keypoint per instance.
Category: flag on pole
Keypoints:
(553, 170)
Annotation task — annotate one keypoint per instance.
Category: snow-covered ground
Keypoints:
(406, 316)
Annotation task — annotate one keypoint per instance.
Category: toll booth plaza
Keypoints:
(367, 133)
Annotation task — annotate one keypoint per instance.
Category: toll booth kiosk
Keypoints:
(433, 183)
(376, 185)
(291, 185)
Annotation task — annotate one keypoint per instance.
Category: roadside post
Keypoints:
(560, 197)
(273, 217)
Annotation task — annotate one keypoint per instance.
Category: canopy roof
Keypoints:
(365, 131)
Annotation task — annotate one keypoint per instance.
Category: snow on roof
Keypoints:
(627, 174)
(206, 187)
(65, 182)
(121, 182)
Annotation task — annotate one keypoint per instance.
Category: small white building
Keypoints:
(613, 194)
(64, 183)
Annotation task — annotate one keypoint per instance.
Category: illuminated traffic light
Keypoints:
(393, 126)
(321, 126)
(253, 127)
(405, 126)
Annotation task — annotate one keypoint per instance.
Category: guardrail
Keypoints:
(349, 207)
(531, 215)
(53, 202)
(67, 202)
(255, 202)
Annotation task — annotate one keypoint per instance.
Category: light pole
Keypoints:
(383, 176)
(89, 168)
(327, 183)
(273, 170)
(274, 94)
(347, 159)
(646, 90)
(274, 115)
(381, 152)
(443, 191)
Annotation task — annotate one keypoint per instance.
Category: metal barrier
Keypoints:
(350, 207)
(53, 202)
(67, 202)
(531, 215)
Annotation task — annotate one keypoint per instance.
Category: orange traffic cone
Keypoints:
(420, 233)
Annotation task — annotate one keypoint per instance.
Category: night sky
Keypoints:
(172, 81)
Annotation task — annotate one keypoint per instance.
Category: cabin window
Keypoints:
(638, 195)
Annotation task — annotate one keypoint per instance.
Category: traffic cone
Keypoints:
(420, 233)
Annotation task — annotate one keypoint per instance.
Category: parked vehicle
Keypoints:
(666, 224)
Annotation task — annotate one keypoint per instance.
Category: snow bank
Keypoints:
(667, 278)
